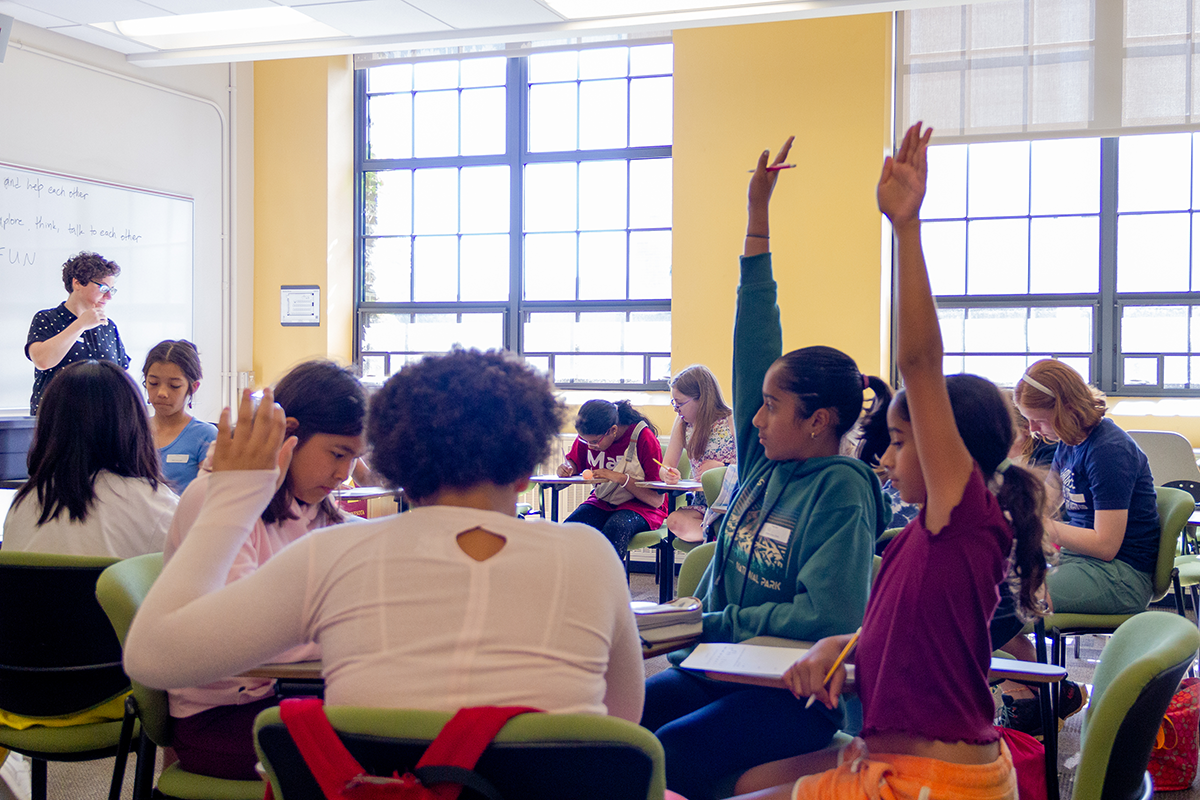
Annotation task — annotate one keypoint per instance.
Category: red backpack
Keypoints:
(446, 767)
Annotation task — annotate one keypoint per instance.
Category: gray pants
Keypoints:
(1086, 585)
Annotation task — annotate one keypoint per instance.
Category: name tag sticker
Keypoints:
(177, 458)
(776, 533)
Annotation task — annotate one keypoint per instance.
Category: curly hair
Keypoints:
(87, 267)
(1077, 407)
(92, 418)
(460, 420)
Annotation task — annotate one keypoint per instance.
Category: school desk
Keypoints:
(292, 679)
(664, 555)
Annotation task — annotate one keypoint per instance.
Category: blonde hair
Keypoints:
(698, 383)
(1077, 407)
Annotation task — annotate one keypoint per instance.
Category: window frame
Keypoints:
(516, 157)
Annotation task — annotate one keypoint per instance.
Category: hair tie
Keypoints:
(1003, 465)
(1037, 385)
(866, 382)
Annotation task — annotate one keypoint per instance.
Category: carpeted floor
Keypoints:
(90, 780)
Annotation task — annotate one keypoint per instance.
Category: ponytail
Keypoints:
(628, 415)
(873, 428)
(597, 416)
(1022, 497)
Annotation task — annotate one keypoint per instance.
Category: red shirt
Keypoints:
(648, 451)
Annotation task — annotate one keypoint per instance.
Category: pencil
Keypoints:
(777, 167)
(837, 662)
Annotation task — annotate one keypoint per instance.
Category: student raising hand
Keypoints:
(902, 184)
(758, 227)
(258, 440)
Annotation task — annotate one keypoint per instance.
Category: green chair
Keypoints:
(121, 590)
(711, 480)
(59, 659)
(657, 539)
(534, 757)
(1174, 508)
(1138, 673)
(693, 567)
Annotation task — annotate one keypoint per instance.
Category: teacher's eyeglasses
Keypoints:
(111, 291)
(678, 406)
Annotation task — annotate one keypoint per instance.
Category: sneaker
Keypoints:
(1071, 699)
(1022, 715)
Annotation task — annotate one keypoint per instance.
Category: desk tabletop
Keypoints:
(295, 670)
(558, 480)
(678, 486)
(359, 492)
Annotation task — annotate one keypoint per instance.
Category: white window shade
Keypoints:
(1032, 69)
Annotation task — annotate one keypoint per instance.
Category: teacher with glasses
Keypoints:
(78, 328)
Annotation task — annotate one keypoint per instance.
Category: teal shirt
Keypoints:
(805, 572)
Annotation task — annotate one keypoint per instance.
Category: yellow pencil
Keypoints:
(837, 662)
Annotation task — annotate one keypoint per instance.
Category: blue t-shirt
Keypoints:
(1107, 472)
(181, 458)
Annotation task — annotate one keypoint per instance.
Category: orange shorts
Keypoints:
(901, 777)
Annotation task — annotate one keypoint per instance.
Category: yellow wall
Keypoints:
(303, 207)
(740, 90)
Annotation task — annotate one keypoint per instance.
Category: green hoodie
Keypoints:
(805, 572)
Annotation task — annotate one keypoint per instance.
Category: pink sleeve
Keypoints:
(185, 514)
(649, 454)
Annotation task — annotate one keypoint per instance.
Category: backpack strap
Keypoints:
(445, 767)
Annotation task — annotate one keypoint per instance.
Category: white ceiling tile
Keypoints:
(31, 16)
(104, 39)
(469, 14)
(85, 11)
(205, 6)
(373, 17)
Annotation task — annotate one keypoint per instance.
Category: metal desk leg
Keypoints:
(664, 555)
(1049, 723)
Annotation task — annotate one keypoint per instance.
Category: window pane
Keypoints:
(431, 333)
(649, 331)
(435, 75)
(603, 108)
(435, 269)
(602, 266)
(1154, 329)
(435, 124)
(997, 256)
(608, 62)
(946, 186)
(484, 267)
(602, 195)
(995, 330)
(650, 193)
(1175, 372)
(552, 117)
(1081, 365)
(952, 322)
(660, 368)
(550, 266)
(483, 127)
(560, 66)
(1065, 176)
(392, 78)
(1064, 254)
(550, 195)
(1061, 330)
(1154, 172)
(650, 111)
(389, 124)
(1002, 370)
(945, 246)
(387, 200)
(484, 206)
(435, 201)
(598, 369)
(655, 59)
(1152, 253)
(1140, 371)
(373, 368)
(998, 179)
(650, 265)
(388, 274)
(483, 71)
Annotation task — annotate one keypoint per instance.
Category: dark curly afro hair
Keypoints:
(459, 420)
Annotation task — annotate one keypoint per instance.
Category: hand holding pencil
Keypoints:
(668, 474)
(821, 673)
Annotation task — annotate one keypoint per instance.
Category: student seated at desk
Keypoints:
(171, 376)
(794, 553)
(922, 677)
(95, 487)
(619, 446)
(325, 407)
(455, 603)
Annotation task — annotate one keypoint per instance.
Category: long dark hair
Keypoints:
(323, 398)
(597, 416)
(983, 420)
(698, 383)
(825, 377)
(92, 417)
(182, 354)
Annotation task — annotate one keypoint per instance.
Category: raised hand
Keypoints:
(762, 183)
(902, 183)
(258, 440)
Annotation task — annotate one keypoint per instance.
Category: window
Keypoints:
(519, 203)
(1080, 249)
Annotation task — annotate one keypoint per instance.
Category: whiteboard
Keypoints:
(47, 217)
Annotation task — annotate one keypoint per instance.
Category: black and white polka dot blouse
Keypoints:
(100, 343)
